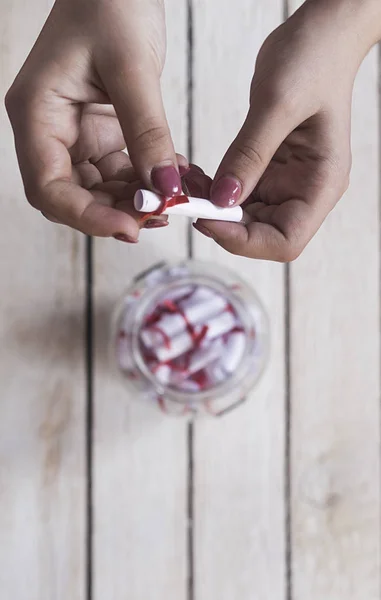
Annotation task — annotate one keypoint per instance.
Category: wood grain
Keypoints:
(42, 376)
(140, 455)
(335, 382)
(238, 460)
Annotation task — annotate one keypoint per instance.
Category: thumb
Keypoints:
(265, 128)
(136, 96)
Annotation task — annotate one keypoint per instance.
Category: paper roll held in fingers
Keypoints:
(193, 337)
(186, 206)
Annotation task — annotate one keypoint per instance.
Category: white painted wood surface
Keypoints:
(140, 468)
(42, 376)
(335, 387)
(239, 514)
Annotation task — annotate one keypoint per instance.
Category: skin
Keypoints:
(91, 85)
(291, 160)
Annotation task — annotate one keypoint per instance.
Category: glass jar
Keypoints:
(236, 357)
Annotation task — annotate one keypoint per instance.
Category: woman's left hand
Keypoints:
(290, 162)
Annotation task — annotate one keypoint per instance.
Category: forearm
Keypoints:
(356, 23)
(364, 16)
(373, 8)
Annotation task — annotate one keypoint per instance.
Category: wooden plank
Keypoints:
(238, 460)
(42, 375)
(140, 470)
(335, 383)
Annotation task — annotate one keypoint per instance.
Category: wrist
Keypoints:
(357, 22)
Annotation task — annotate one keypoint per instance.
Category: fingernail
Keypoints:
(166, 180)
(202, 230)
(122, 237)
(194, 167)
(226, 191)
(191, 187)
(183, 170)
(152, 223)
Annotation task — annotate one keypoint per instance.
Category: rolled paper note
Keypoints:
(163, 374)
(200, 359)
(196, 208)
(178, 293)
(167, 326)
(233, 351)
(220, 324)
(205, 355)
(189, 386)
(178, 345)
(200, 306)
(215, 373)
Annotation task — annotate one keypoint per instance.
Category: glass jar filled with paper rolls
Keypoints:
(193, 338)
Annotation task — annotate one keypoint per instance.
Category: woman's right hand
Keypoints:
(92, 53)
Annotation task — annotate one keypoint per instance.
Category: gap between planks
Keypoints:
(190, 430)
(89, 350)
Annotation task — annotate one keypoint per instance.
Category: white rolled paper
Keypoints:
(220, 325)
(178, 346)
(183, 342)
(196, 208)
(167, 326)
(233, 351)
(204, 356)
(189, 386)
(163, 374)
(215, 373)
(201, 358)
(178, 293)
(202, 305)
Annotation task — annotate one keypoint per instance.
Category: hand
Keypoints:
(92, 54)
(291, 160)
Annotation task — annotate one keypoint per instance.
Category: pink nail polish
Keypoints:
(122, 237)
(153, 223)
(202, 230)
(226, 191)
(166, 180)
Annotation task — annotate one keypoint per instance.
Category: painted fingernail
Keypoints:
(152, 223)
(202, 229)
(166, 180)
(183, 170)
(226, 191)
(122, 237)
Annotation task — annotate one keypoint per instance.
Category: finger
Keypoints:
(50, 218)
(123, 200)
(278, 233)
(136, 95)
(116, 167)
(122, 195)
(267, 125)
(86, 175)
(183, 164)
(99, 135)
(44, 128)
(196, 183)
